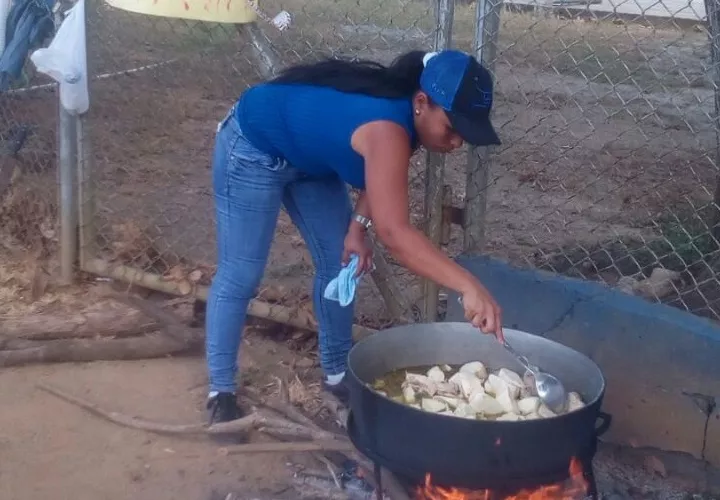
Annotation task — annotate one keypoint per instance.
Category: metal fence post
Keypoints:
(435, 166)
(67, 166)
(86, 195)
(87, 237)
(712, 11)
(487, 27)
(268, 61)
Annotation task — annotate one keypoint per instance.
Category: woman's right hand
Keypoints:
(482, 310)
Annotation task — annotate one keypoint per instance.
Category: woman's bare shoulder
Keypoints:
(381, 137)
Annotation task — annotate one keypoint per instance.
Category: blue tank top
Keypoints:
(311, 126)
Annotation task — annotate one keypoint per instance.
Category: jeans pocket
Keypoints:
(243, 152)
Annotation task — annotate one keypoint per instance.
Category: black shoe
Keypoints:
(339, 390)
(223, 407)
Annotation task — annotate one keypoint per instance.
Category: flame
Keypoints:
(575, 487)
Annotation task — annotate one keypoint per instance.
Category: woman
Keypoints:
(296, 141)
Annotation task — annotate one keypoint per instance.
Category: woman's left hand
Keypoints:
(356, 242)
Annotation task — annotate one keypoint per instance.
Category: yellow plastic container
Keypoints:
(219, 11)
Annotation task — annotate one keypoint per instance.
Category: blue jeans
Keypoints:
(249, 188)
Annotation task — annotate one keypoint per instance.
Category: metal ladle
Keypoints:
(549, 389)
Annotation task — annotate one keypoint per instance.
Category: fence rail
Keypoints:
(607, 170)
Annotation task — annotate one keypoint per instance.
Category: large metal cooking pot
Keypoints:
(462, 452)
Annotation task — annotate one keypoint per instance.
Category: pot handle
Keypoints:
(604, 425)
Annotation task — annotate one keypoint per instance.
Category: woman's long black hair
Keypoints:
(399, 79)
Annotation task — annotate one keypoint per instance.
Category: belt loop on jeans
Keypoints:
(230, 114)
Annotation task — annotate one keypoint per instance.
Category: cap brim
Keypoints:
(475, 132)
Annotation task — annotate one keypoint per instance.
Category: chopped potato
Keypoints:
(472, 392)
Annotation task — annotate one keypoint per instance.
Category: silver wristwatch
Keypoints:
(364, 221)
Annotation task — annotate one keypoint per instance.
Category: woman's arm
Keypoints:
(362, 207)
(385, 147)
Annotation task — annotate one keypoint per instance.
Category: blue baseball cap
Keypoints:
(462, 87)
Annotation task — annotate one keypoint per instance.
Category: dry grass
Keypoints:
(133, 243)
(28, 244)
(28, 215)
(306, 396)
(29, 285)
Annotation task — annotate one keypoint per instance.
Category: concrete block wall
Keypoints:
(662, 364)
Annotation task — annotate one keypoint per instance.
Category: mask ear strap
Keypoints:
(427, 57)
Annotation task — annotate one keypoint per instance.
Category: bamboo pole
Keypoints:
(257, 308)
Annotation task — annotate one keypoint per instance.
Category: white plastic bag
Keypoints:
(65, 60)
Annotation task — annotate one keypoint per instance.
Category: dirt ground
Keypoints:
(51, 449)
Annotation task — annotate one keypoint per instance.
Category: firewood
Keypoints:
(389, 482)
(176, 338)
(240, 425)
(83, 350)
(288, 447)
(257, 420)
(170, 323)
(95, 322)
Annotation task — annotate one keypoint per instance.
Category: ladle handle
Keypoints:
(522, 359)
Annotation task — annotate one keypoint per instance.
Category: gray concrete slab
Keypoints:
(662, 364)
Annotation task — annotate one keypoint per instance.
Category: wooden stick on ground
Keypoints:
(256, 420)
(80, 350)
(284, 407)
(102, 320)
(110, 333)
(177, 338)
(240, 425)
(169, 322)
(389, 482)
(289, 447)
(257, 308)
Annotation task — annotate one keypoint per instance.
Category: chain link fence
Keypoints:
(607, 169)
(160, 88)
(28, 188)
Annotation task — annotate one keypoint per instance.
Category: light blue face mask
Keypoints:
(342, 288)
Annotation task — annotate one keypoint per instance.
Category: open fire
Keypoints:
(576, 487)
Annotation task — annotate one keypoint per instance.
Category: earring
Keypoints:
(417, 111)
